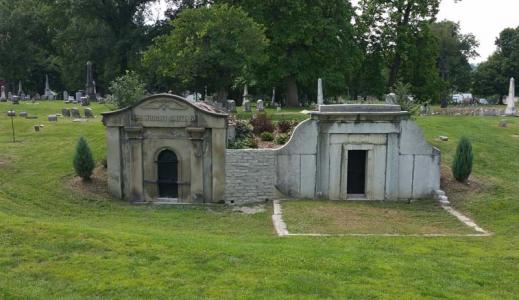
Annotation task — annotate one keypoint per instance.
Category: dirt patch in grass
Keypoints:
(459, 191)
(370, 217)
(96, 187)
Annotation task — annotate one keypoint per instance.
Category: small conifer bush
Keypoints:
(83, 160)
(462, 164)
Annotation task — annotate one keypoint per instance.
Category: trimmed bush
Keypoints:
(83, 160)
(462, 164)
(267, 136)
(261, 123)
(282, 139)
(126, 90)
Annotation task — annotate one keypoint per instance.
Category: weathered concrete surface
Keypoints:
(136, 135)
(400, 163)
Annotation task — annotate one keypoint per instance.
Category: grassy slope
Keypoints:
(55, 242)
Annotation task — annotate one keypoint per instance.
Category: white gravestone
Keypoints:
(320, 96)
(259, 106)
(246, 100)
(510, 101)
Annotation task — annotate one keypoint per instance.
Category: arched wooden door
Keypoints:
(168, 174)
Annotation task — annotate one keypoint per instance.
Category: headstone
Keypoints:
(11, 113)
(273, 100)
(231, 106)
(52, 118)
(90, 88)
(391, 99)
(74, 113)
(20, 90)
(37, 128)
(444, 103)
(3, 97)
(10, 96)
(65, 96)
(246, 106)
(79, 94)
(23, 114)
(259, 106)
(71, 98)
(89, 113)
(503, 123)
(279, 108)
(320, 96)
(444, 138)
(15, 100)
(85, 101)
(48, 93)
(37, 96)
(510, 101)
(65, 112)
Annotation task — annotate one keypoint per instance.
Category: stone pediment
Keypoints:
(163, 104)
(165, 110)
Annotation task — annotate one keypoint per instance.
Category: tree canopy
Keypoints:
(209, 46)
(220, 45)
(492, 76)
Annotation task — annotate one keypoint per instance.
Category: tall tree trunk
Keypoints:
(291, 90)
(221, 95)
(397, 61)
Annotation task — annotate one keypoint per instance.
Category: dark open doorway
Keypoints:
(356, 184)
(168, 174)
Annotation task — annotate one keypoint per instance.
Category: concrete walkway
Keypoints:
(281, 227)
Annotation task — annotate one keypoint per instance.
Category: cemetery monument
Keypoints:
(168, 149)
(511, 101)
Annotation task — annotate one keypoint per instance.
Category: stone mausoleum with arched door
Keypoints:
(166, 149)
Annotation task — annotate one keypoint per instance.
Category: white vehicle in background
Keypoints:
(465, 98)
(483, 101)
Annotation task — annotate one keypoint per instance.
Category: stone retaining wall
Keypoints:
(250, 175)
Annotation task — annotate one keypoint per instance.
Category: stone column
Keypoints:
(196, 136)
(510, 101)
(320, 96)
(134, 135)
(218, 156)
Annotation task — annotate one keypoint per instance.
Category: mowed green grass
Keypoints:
(424, 217)
(58, 243)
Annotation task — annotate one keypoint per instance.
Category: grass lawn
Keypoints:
(57, 242)
(370, 217)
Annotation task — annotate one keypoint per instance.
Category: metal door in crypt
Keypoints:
(168, 174)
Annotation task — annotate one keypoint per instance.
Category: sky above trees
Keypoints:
(484, 18)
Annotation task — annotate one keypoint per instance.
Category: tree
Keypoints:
(455, 51)
(25, 44)
(209, 46)
(83, 160)
(396, 27)
(463, 158)
(308, 40)
(126, 90)
(489, 78)
(492, 76)
(110, 33)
